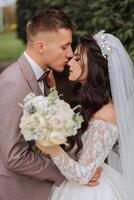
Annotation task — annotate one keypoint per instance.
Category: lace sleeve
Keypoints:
(97, 143)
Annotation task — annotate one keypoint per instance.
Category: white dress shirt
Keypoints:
(38, 71)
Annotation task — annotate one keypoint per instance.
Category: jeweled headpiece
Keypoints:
(105, 46)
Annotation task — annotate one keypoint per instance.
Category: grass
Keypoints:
(10, 46)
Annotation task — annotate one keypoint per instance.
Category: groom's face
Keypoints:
(58, 49)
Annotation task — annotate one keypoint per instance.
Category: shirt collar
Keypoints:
(38, 71)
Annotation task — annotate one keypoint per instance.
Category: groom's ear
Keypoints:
(40, 46)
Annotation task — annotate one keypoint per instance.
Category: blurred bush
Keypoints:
(13, 27)
(10, 27)
(114, 16)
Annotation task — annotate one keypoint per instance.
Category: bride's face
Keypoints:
(78, 67)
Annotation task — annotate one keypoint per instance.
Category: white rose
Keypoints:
(29, 97)
(64, 110)
(56, 122)
(45, 141)
(40, 103)
(57, 138)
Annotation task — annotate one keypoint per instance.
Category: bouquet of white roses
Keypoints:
(49, 120)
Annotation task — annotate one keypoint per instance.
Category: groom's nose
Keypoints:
(69, 53)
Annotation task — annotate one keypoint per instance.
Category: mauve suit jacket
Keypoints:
(24, 174)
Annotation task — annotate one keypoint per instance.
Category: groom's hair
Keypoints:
(48, 20)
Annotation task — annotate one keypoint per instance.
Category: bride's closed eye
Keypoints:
(77, 57)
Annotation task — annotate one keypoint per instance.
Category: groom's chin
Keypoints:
(60, 69)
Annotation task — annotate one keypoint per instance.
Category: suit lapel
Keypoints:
(29, 75)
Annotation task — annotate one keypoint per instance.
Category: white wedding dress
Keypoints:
(98, 141)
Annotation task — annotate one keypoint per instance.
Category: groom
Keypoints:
(24, 174)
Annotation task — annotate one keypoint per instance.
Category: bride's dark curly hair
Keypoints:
(95, 92)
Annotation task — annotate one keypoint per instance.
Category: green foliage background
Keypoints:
(115, 16)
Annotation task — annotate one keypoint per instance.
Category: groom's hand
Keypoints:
(95, 179)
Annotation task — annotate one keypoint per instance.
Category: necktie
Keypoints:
(44, 79)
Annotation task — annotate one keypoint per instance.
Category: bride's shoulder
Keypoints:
(106, 113)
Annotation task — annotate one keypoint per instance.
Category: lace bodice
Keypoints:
(98, 141)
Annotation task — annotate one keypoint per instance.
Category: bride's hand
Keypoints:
(96, 177)
(52, 151)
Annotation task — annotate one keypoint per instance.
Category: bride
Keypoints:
(105, 71)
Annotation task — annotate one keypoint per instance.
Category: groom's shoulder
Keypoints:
(13, 68)
(13, 71)
(10, 74)
(12, 77)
